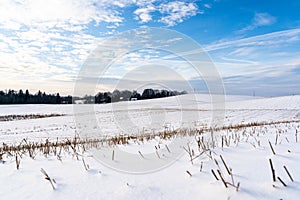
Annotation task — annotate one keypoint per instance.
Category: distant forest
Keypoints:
(21, 97)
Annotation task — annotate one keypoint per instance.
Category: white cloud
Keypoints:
(55, 12)
(175, 12)
(74, 15)
(171, 13)
(144, 13)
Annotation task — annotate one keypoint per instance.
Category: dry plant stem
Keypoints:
(157, 154)
(287, 140)
(190, 153)
(213, 172)
(288, 173)
(217, 164)
(198, 156)
(222, 141)
(167, 148)
(47, 177)
(223, 180)
(141, 154)
(18, 161)
(228, 171)
(231, 176)
(283, 183)
(272, 148)
(201, 166)
(231, 184)
(188, 173)
(85, 165)
(238, 186)
(272, 169)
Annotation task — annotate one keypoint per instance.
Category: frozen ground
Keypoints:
(247, 154)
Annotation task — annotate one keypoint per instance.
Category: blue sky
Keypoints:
(253, 44)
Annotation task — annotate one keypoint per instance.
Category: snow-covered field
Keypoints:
(143, 116)
(246, 150)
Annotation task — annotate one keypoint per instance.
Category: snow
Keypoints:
(142, 116)
(248, 157)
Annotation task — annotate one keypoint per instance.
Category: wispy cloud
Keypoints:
(270, 57)
(207, 5)
(280, 37)
(245, 46)
(260, 19)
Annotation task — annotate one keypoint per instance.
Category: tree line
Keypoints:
(21, 97)
(127, 95)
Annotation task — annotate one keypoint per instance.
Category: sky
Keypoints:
(254, 45)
